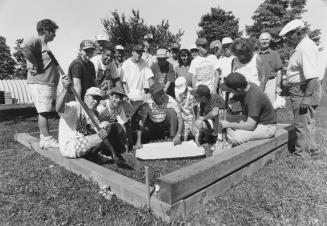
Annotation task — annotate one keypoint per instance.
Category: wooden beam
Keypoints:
(181, 183)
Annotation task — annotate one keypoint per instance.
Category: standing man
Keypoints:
(272, 67)
(106, 72)
(215, 48)
(81, 70)
(42, 77)
(135, 73)
(101, 42)
(303, 85)
(148, 49)
(175, 51)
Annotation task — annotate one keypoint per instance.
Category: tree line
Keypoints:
(270, 16)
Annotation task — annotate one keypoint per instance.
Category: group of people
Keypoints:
(176, 94)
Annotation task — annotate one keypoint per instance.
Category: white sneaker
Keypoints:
(48, 142)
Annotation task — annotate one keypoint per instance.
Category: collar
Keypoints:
(265, 51)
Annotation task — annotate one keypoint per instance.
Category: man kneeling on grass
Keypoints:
(260, 115)
(77, 136)
(162, 114)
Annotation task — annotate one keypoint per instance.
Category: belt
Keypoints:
(270, 78)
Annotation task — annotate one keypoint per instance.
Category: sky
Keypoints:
(81, 19)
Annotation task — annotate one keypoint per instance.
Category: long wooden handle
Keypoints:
(82, 103)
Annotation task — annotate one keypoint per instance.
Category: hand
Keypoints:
(305, 104)
(278, 90)
(177, 140)
(138, 146)
(66, 81)
(201, 118)
(103, 134)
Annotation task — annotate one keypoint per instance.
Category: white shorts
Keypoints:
(44, 97)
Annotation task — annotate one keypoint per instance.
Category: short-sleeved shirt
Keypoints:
(83, 70)
(164, 74)
(136, 75)
(203, 68)
(104, 72)
(157, 113)
(304, 62)
(73, 123)
(257, 105)
(273, 62)
(183, 71)
(35, 52)
(109, 114)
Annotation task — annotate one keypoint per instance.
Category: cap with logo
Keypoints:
(215, 44)
(87, 44)
(101, 37)
(162, 53)
(291, 26)
(94, 91)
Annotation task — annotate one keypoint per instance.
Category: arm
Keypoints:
(308, 93)
(167, 86)
(60, 101)
(211, 114)
(278, 81)
(193, 82)
(216, 82)
(249, 125)
(177, 138)
(261, 73)
(77, 85)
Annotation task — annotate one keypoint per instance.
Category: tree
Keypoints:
(7, 63)
(20, 70)
(128, 32)
(272, 15)
(218, 24)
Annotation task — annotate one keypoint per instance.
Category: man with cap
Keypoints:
(135, 72)
(204, 67)
(206, 113)
(260, 122)
(163, 72)
(225, 61)
(101, 42)
(174, 51)
(185, 101)
(106, 71)
(215, 48)
(302, 76)
(162, 113)
(42, 77)
(148, 48)
(77, 135)
(81, 70)
(194, 51)
(273, 67)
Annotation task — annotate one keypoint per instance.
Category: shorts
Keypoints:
(44, 97)
(81, 146)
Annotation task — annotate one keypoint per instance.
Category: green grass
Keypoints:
(35, 191)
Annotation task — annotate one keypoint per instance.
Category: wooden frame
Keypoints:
(185, 190)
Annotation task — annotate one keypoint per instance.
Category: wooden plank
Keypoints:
(190, 179)
(195, 202)
(126, 189)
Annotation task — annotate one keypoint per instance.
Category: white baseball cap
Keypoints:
(101, 37)
(193, 47)
(119, 47)
(94, 91)
(226, 40)
(291, 26)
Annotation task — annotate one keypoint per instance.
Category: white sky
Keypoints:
(80, 19)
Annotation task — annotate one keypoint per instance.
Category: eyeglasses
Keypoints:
(117, 96)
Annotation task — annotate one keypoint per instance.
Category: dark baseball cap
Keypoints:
(155, 88)
(201, 91)
(201, 41)
(117, 90)
(175, 46)
(138, 47)
(87, 44)
(234, 81)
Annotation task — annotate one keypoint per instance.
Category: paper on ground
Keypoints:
(166, 150)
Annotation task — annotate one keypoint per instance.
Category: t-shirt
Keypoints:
(164, 74)
(157, 113)
(256, 104)
(203, 68)
(182, 71)
(104, 72)
(136, 75)
(304, 62)
(216, 101)
(273, 62)
(84, 71)
(106, 113)
(225, 66)
(248, 70)
(73, 123)
(35, 52)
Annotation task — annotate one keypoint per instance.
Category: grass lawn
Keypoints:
(35, 191)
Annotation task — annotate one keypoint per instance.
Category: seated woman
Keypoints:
(260, 115)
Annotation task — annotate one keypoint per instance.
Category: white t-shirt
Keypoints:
(111, 114)
(225, 66)
(99, 66)
(73, 123)
(304, 62)
(204, 70)
(248, 70)
(158, 113)
(136, 75)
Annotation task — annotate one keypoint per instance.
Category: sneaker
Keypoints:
(48, 142)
